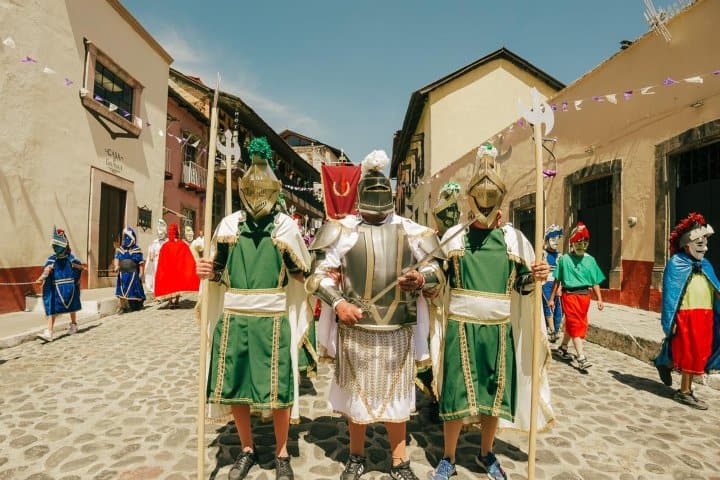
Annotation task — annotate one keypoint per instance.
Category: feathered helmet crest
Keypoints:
(689, 229)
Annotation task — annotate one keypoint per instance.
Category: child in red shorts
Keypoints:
(577, 273)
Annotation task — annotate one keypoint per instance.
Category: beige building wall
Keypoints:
(56, 151)
(470, 109)
(462, 114)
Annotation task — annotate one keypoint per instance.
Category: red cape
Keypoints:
(175, 270)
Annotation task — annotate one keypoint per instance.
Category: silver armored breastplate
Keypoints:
(376, 260)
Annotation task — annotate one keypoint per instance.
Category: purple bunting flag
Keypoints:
(669, 81)
(627, 94)
(68, 82)
(549, 173)
(28, 59)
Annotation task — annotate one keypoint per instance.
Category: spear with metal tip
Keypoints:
(539, 113)
(209, 193)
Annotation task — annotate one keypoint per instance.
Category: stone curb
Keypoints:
(644, 349)
(106, 307)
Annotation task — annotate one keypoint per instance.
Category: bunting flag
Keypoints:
(340, 189)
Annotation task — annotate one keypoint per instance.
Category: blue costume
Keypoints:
(552, 256)
(130, 257)
(675, 278)
(61, 290)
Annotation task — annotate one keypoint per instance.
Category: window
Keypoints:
(189, 151)
(107, 85)
(111, 88)
(189, 219)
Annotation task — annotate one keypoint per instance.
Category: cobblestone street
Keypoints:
(118, 401)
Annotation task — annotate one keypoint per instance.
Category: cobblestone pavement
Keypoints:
(118, 401)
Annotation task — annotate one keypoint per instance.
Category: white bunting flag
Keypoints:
(577, 104)
(49, 71)
(139, 122)
(646, 91)
(697, 79)
(9, 42)
(195, 145)
(112, 107)
(612, 98)
(160, 132)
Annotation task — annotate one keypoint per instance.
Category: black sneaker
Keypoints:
(283, 470)
(402, 472)
(583, 363)
(690, 400)
(665, 373)
(354, 468)
(242, 465)
(563, 353)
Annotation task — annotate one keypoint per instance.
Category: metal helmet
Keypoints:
(486, 189)
(447, 211)
(259, 188)
(374, 188)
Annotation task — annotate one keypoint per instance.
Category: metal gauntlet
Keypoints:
(329, 294)
(432, 275)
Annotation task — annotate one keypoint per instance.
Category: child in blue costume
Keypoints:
(61, 284)
(553, 316)
(130, 265)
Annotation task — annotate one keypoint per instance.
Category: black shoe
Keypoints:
(283, 470)
(354, 468)
(665, 374)
(402, 472)
(690, 400)
(242, 465)
(563, 353)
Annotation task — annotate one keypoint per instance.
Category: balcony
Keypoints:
(194, 177)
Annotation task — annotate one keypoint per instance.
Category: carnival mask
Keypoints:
(162, 230)
(697, 248)
(553, 243)
(580, 247)
(189, 234)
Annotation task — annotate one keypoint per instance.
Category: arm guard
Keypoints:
(432, 274)
(324, 288)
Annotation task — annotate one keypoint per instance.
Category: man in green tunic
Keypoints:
(257, 275)
(489, 266)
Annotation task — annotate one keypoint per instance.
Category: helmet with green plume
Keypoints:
(447, 211)
(486, 189)
(259, 187)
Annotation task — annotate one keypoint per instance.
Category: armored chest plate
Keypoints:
(376, 260)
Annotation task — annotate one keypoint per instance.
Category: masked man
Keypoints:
(553, 316)
(130, 265)
(690, 288)
(60, 280)
(484, 373)
(153, 254)
(577, 274)
(382, 327)
(258, 313)
(447, 211)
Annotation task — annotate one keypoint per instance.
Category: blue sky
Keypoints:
(343, 71)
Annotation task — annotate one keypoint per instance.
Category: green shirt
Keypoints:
(574, 272)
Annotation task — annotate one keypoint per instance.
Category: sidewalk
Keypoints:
(627, 330)
(19, 327)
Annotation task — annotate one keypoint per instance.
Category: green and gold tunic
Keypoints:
(251, 352)
(481, 350)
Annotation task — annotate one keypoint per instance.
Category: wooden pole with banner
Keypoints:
(539, 113)
(209, 193)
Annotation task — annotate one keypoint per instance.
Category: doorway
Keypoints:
(112, 223)
(594, 209)
(697, 186)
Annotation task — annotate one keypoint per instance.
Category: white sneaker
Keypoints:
(46, 335)
(73, 328)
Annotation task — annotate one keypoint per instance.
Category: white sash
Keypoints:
(479, 307)
(258, 303)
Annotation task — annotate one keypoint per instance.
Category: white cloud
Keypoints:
(192, 58)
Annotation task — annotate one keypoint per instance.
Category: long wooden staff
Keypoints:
(540, 113)
(207, 230)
